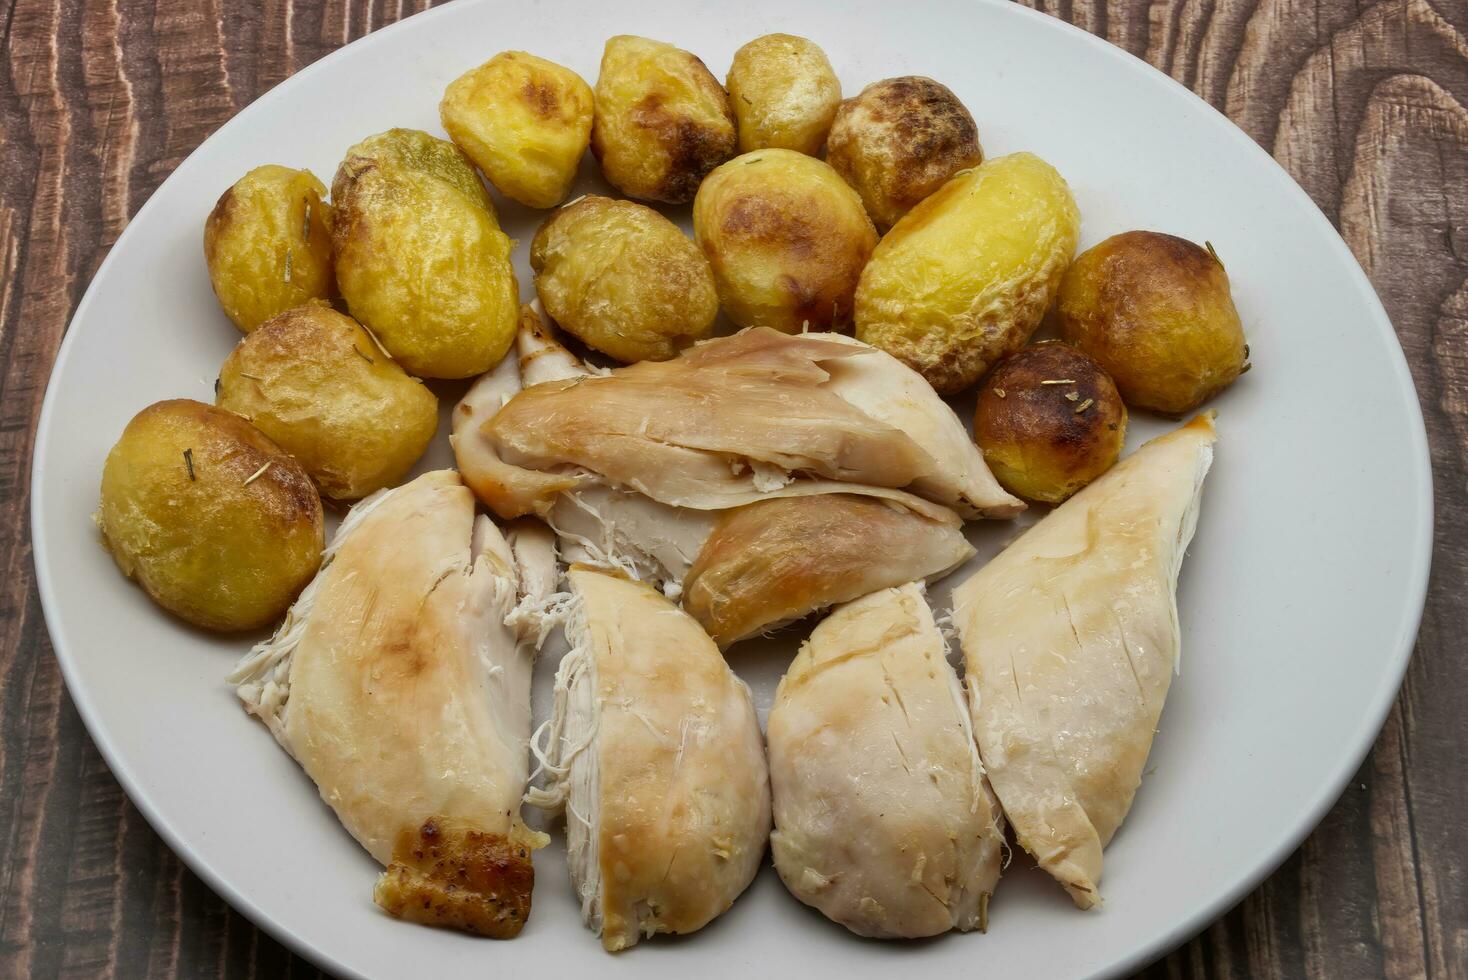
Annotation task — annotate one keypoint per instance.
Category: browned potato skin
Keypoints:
(786, 239)
(1156, 312)
(662, 120)
(219, 538)
(1040, 442)
(623, 279)
(898, 141)
(317, 383)
(267, 244)
(784, 94)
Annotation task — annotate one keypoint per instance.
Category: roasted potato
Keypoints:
(1049, 421)
(216, 522)
(317, 384)
(623, 278)
(268, 245)
(967, 275)
(420, 257)
(662, 120)
(786, 239)
(524, 121)
(899, 141)
(784, 94)
(1156, 312)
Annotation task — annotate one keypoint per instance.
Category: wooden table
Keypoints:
(1362, 103)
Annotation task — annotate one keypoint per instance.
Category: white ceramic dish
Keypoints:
(1300, 599)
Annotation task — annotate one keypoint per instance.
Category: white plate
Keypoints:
(1300, 599)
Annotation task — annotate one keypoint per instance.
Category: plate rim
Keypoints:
(1234, 889)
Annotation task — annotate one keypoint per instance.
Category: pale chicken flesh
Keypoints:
(883, 819)
(1070, 639)
(655, 753)
(734, 420)
(397, 685)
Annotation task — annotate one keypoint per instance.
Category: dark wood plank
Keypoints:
(1363, 103)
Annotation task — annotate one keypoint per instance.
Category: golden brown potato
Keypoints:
(786, 238)
(784, 94)
(899, 141)
(623, 279)
(1156, 312)
(967, 275)
(268, 245)
(662, 120)
(1049, 421)
(317, 383)
(524, 121)
(216, 522)
(420, 258)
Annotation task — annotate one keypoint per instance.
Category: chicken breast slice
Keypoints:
(1070, 637)
(397, 686)
(883, 819)
(890, 391)
(736, 419)
(776, 561)
(655, 753)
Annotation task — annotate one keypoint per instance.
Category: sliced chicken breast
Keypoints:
(772, 562)
(397, 686)
(655, 753)
(883, 818)
(735, 419)
(1070, 637)
(890, 391)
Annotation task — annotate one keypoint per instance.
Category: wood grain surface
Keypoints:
(1363, 103)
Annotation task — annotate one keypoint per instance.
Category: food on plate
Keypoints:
(596, 524)
(784, 94)
(1070, 638)
(772, 562)
(267, 244)
(786, 239)
(1049, 421)
(1156, 312)
(623, 279)
(397, 686)
(420, 257)
(967, 275)
(655, 753)
(891, 392)
(662, 120)
(317, 383)
(217, 523)
(883, 818)
(900, 140)
(716, 428)
(524, 121)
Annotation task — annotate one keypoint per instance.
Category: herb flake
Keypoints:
(258, 473)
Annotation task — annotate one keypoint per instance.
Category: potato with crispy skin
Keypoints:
(218, 524)
(900, 140)
(786, 239)
(420, 257)
(267, 244)
(784, 94)
(623, 279)
(967, 275)
(662, 120)
(317, 383)
(1157, 313)
(524, 121)
(1049, 421)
